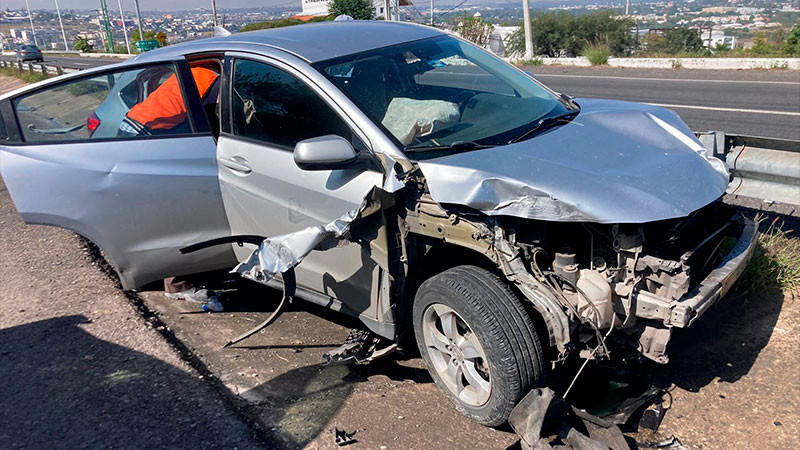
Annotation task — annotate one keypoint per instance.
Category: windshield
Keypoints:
(438, 92)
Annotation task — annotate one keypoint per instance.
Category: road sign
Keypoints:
(144, 46)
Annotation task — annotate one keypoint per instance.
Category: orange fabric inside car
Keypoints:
(164, 108)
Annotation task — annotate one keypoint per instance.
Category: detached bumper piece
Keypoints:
(683, 312)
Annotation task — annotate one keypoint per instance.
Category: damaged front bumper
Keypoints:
(683, 312)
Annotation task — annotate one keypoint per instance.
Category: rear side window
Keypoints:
(274, 107)
(126, 104)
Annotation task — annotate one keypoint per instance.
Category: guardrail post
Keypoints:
(44, 69)
(19, 63)
(59, 69)
(30, 67)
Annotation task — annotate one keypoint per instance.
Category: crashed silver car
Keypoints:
(399, 175)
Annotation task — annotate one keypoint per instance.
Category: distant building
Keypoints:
(713, 38)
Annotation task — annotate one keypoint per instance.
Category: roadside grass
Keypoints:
(26, 76)
(775, 262)
(597, 53)
(534, 62)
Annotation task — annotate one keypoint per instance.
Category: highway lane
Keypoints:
(72, 62)
(762, 103)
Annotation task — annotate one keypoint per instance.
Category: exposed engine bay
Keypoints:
(588, 279)
(613, 276)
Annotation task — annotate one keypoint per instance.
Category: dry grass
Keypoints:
(775, 262)
(26, 76)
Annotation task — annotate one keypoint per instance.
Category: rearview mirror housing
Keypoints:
(325, 153)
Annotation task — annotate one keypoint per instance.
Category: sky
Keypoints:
(149, 5)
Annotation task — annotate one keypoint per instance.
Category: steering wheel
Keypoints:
(462, 98)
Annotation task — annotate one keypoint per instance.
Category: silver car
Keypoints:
(399, 175)
(29, 52)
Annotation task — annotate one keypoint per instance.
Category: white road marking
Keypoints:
(739, 110)
(80, 64)
(693, 80)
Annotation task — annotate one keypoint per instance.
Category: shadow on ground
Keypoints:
(724, 343)
(62, 387)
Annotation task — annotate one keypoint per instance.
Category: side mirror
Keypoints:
(324, 153)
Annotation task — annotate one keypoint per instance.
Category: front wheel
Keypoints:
(478, 342)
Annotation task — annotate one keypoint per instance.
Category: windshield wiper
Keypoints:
(547, 122)
(458, 145)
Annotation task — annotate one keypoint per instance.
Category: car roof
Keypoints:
(317, 41)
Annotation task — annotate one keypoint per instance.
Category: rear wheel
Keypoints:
(478, 342)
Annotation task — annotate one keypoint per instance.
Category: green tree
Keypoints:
(357, 9)
(281, 23)
(83, 45)
(474, 29)
(792, 45)
(148, 35)
(683, 40)
(563, 34)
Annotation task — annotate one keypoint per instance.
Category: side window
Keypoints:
(274, 107)
(141, 102)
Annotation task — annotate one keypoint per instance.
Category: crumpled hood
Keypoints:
(616, 162)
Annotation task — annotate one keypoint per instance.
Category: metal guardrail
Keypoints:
(763, 168)
(43, 68)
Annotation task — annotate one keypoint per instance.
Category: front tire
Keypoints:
(478, 342)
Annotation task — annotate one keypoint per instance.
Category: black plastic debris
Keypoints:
(343, 438)
(671, 443)
(652, 417)
(543, 420)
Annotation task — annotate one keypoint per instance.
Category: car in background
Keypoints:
(29, 52)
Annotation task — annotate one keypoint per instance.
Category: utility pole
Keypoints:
(431, 12)
(386, 16)
(30, 17)
(627, 7)
(107, 26)
(214, 11)
(139, 20)
(124, 30)
(526, 18)
(63, 35)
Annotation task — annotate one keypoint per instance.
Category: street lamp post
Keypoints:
(139, 20)
(214, 11)
(63, 34)
(30, 17)
(125, 30)
(526, 18)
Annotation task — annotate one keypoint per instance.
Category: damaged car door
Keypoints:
(273, 108)
(124, 157)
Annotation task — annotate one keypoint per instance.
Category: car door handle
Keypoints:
(237, 164)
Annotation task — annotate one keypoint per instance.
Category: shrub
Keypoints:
(562, 34)
(792, 45)
(597, 53)
(357, 9)
(475, 29)
(281, 23)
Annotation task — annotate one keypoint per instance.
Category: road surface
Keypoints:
(754, 102)
(71, 62)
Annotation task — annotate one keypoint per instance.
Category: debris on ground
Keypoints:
(343, 438)
(544, 420)
(671, 443)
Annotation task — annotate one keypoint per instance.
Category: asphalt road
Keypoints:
(71, 62)
(760, 103)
